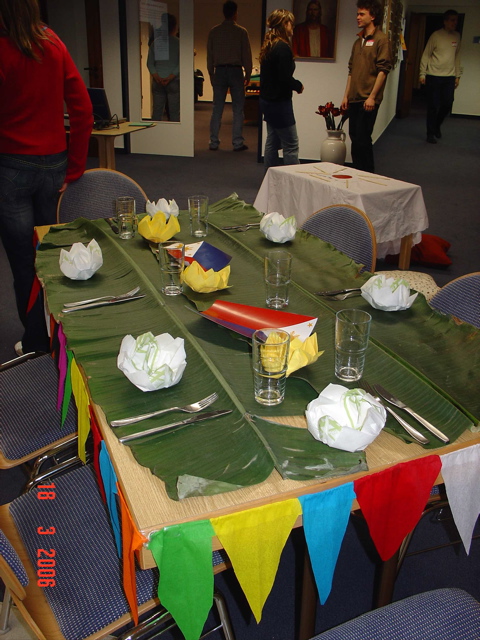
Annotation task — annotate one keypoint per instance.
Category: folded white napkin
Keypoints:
(152, 362)
(169, 208)
(388, 294)
(277, 228)
(81, 262)
(348, 419)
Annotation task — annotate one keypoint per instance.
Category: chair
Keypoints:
(87, 600)
(460, 298)
(93, 195)
(348, 229)
(443, 614)
(30, 425)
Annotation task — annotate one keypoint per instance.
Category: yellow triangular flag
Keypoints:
(254, 541)
(82, 402)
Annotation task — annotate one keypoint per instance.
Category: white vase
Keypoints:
(333, 149)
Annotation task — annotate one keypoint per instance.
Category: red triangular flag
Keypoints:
(392, 501)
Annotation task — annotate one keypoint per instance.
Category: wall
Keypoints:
(467, 95)
(61, 16)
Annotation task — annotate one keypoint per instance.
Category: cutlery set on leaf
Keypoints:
(189, 408)
(68, 307)
(381, 395)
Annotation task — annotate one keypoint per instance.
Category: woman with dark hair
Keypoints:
(37, 77)
(276, 86)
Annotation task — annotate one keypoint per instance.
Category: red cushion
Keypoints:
(432, 250)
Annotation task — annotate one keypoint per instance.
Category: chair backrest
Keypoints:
(12, 570)
(460, 298)
(348, 229)
(93, 195)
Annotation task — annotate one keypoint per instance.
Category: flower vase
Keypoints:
(333, 149)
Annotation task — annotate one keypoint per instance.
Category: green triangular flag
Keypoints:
(183, 554)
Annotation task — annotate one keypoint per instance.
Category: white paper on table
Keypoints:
(347, 419)
(461, 473)
(81, 262)
(277, 228)
(388, 294)
(152, 362)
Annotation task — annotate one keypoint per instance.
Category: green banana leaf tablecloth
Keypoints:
(420, 355)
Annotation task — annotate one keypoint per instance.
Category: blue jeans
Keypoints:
(29, 188)
(163, 95)
(228, 78)
(285, 138)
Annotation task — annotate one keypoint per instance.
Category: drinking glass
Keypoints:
(278, 271)
(270, 363)
(171, 257)
(198, 211)
(126, 217)
(352, 329)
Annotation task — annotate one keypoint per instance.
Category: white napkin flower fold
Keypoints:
(277, 228)
(347, 419)
(81, 262)
(169, 208)
(152, 362)
(388, 294)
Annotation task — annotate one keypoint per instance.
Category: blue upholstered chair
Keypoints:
(30, 425)
(87, 600)
(443, 614)
(93, 195)
(460, 298)
(348, 229)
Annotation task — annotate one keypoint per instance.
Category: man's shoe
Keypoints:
(431, 139)
(18, 348)
(213, 148)
(438, 134)
(242, 148)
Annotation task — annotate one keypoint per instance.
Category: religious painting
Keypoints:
(315, 31)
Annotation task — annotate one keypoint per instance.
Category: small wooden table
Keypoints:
(106, 141)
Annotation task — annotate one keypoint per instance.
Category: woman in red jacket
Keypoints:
(37, 77)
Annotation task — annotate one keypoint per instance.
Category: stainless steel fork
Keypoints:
(189, 408)
(416, 435)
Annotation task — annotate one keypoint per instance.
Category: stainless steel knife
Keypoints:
(175, 425)
(103, 303)
(401, 405)
(335, 292)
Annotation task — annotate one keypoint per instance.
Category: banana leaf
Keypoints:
(235, 450)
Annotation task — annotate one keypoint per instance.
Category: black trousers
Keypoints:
(440, 93)
(360, 127)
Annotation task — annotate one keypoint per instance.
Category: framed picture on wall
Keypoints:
(315, 31)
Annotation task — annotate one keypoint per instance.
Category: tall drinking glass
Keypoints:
(278, 272)
(198, 211)
(352, 330)
(270, 363)
(126, 217)
(171, 256)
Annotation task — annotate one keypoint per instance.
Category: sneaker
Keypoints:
(431, 139)
(438, 134)
(18, 348)
(242, 148)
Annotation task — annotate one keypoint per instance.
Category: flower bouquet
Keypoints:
(330, 112)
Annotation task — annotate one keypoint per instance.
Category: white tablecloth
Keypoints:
(395, 208)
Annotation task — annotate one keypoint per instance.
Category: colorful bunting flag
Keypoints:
(132, 540)
(62, 366)
(325, 519)
(97, 440)
(183, 554)
(67, 386)
(254, 541)
(109, 480)
(392, 501)
(461, 474)
(82, 402)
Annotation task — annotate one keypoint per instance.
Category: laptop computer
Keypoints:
(102, 115)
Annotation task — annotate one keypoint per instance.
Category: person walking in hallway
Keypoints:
(276, 89)
(229, 63)
(368, 67)
(440, 72)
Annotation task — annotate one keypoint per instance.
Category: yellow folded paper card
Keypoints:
(157, 229)
(205, 281)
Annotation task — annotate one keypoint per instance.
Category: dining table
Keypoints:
(256, 455)
(395, 208)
